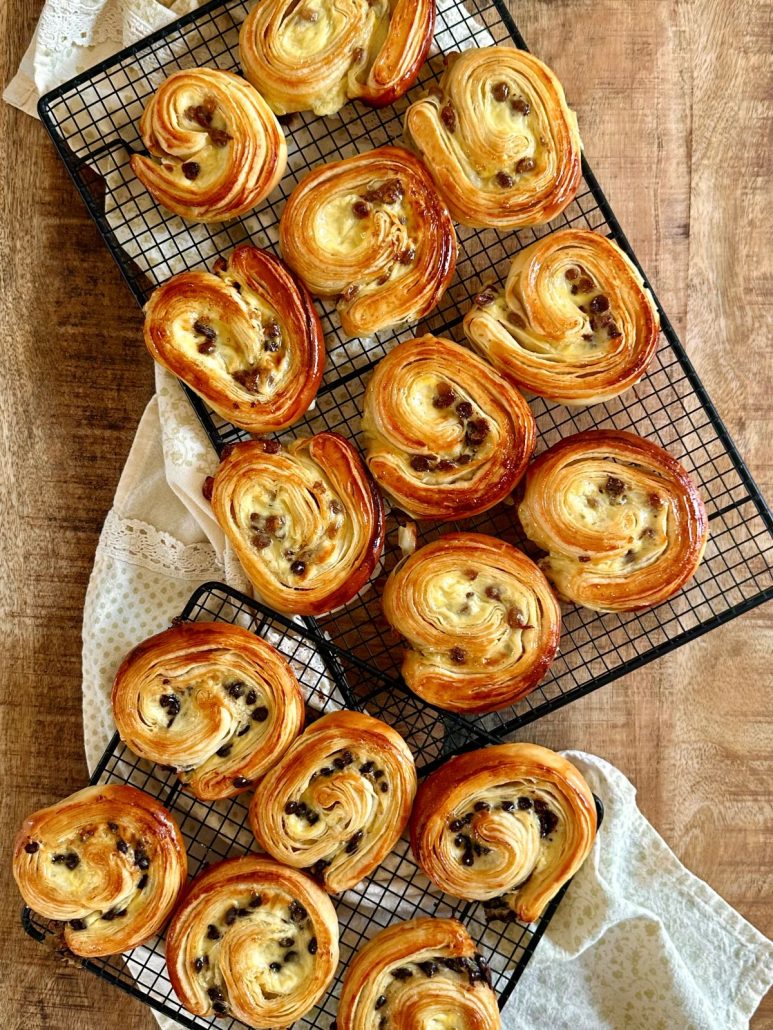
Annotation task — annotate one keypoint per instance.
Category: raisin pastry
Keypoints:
(108, 862)
(254, 940)
(420, 973)
(479, 619)
(307, 523)
(372, 231)
(623, 524)
(445, 435)
(574, 322)
(216, 149)
(317, 54)
(247, 339)
(499, 139)
(508, 825)
(213, 701)
(338, 801)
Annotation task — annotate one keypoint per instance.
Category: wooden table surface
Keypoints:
(674, 101)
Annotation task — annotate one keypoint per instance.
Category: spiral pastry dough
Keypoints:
(216, 149)
(247, 339)
(623, 524)
(422, 973)
(371, 231)
(254, 940)
(445, 435)
(211, 700)
(574, 323)
(507, 825)
(108, 861)
(499, 139)
(338, 800)
(479, 619)
(317, 54)
(307, 523)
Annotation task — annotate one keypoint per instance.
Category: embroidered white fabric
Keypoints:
(639, 942)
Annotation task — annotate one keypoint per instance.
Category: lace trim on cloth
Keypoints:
(138, 543)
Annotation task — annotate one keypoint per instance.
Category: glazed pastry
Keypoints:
(499, 139)
(445, 435)
(253, 940)
(479, 619)
(317, 54)
(420, 973)
(371, 231)
(216, 149)
(574, 323)
(108, 862)
(508, 825)
(307, 523)
(338, 800)
(210, 699)
(247, 339)
(623, 524)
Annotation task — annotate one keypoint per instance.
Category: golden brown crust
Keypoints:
(449, 982)
(247, 339)
(372, 231)
(479, 619)
(307, 523)
(216, 148)
(211, 700)
(499, 139)
(574, 323)
(228, 948)
(445, 435)
(317, 54)
(507, 825)
(623, 524)
(342, 821)
(108, 861)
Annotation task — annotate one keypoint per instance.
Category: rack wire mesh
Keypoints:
(214, 831)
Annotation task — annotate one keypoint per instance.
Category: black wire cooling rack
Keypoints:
(214, 831)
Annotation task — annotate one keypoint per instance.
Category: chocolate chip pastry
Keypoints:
(507, 825)
(446, 436)
(338, 801)
(419, 973)
(108, 862)
(253, 940)
(499, 139)
(317, 54)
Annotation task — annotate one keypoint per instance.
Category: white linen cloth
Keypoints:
(638, 942)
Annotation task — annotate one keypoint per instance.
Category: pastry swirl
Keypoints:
(216, 149)
(574, 323)
(507, 825)
(247, 339)
(420, 973)
(211, 700)
(108, 861)
(623, 524)
(254, 940)
(499, 139)
(307, 523)
(372, 231)
(317, 54)
(338, 801)
(445, 435)
(479, 619)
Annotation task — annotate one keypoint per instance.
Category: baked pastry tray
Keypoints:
(93, 121)
(214, 831)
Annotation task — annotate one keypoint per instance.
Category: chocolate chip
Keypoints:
(297, 912)
(614, 486)
(298, 568)
(504, 180)
(500, 91)
(380, 1001)
(419, 463)
(402, 973)
(455, 824)
(219, 137)
(312, 818)
(460, 840)
(224, 751)
(599, 303)
(70, 860)
(526, 164)
(142, 882)
(251, 697)
(241, 781)
(235, 690)
(206, 488)
(507, 806)
(520, 105)
(213, 934)
(448, 117)
(468, 859)
(547, 821)
(31, 847)
(230, 916)
(215, 993)
(428, 968)
(458, 655)
(464, 409)
(198, 964)
(482, 806)
(255, 901)
(122, 846)
(524, 804)
(327, 771)
(260, 714)
(171, 702)
(219, 1008)
(311, 947)
(191, 170)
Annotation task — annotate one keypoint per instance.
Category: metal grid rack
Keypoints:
(214, 831)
